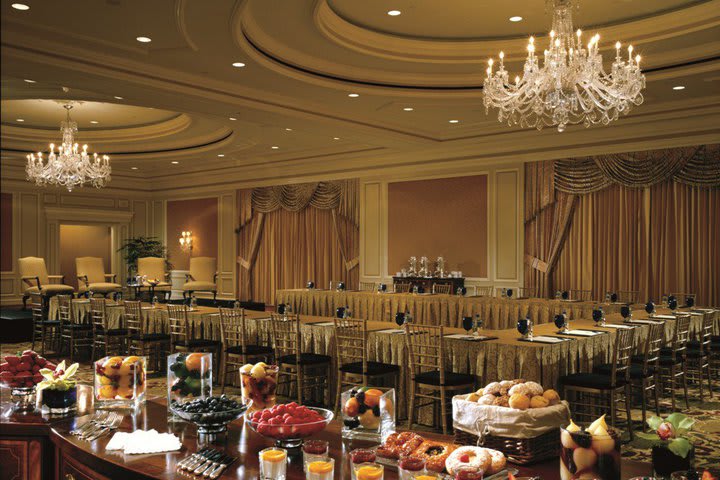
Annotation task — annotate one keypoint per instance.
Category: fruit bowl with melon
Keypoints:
(288, 424)
(368, 413)
(120, 381)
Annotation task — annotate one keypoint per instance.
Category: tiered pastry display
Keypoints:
(518, 394)
(120, 381)
(440, 456)
(590, 453)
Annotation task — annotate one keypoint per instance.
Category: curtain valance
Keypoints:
(338, 195)
(696, 166)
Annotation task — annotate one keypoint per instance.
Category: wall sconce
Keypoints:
(186, 241)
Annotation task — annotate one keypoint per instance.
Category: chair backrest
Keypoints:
(582, 295)
(37, 307)
(486, 291)
(153, 267)
(442, 288)
(622, 354)
(285, 335)
(527, 292)
(367, 286)
(178, 323)
(203, 269)
(654, 342)
(34, 267)
(232, 328)
(90, 267)
(681, 335)
(706, 333)
(65, 312)
(401, 287)
(98, 315)
(426, 351)
(350, 341)
(682, 297)
(134, 318)
(628, 296)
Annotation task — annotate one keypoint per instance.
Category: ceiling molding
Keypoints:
(181, 23)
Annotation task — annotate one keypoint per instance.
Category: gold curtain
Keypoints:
(657, 240)
(294, 247)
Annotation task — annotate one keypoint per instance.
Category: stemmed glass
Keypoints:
(599, 316)
(509, 292)
(626, 313)
(561, 322)
(523, 326)
(467, 324)
(400, 319)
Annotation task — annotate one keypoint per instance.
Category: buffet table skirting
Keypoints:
(436, 309)
(503, 358)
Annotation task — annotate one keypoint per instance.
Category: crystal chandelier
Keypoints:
(69, 168)
(571, 87)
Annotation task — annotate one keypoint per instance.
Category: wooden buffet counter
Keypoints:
(34, 447)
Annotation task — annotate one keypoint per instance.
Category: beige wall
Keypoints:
(198, 215)
(83, 241)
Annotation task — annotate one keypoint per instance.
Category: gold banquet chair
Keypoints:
(442, 288)
(154, 269)
(366, 286)
(92, 277)
(34, 273)
(76, 335)
(44, 330)
(202, 276)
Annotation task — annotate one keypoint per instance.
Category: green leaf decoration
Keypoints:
(653, 437)
(676, 419)
(680, 447)
(654, 422)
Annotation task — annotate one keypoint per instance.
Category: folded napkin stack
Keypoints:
(144, 441)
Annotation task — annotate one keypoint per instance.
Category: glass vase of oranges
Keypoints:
(189, 376)
(120, 381)
(368, 413)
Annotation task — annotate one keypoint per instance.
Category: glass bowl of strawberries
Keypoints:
(288, 424)
(20, 374)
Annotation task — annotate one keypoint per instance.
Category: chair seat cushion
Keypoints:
(100, 287)
(114, 331)
(636, 370)
(158, 286)
(196, 286)
(695, 353)
(668, 360)
(50, 289)
(373, 368)
(305, 359)
(198, 343)
(591, 380)
(150, 337)
(249, 350)
(50, 323)
(695, 344)
(77, 326)
(452, 379)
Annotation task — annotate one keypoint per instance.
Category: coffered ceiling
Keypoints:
(285, 113)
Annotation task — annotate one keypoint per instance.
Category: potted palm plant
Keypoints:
(671, 449)
(140, 247)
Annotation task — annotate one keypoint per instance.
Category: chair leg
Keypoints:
(338, 388)
(223, 371)
(628, 396)
(657, 394)
(708, 379)
(443, 410)
(685, 387)
(672, 387)
(299, 378)
(411, 410)
(642, 400)
(613, 406)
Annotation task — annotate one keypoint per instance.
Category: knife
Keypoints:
(217, 471)
(216, 455)
(191, 458)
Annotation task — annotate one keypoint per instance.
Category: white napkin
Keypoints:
(323, 324)
(545, 339)
(391, 330)
(664, 317)
(144, 441)
(584, 333)
(615, 325)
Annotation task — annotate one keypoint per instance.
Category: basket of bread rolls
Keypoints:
(518, 417)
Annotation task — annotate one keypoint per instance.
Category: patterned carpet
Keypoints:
(706, 434)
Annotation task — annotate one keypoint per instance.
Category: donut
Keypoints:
(534, 388)
(492, 388)
(435, 454)
(472, 456)
(497, 461)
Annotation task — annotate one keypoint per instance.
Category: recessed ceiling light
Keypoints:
(94, 121)
(288, 129)
(238, 64)
(454, 121)
(408, 109)
(274, 147)
(336, 138)
(175, 162)
(679, 87)
(394, 13)
(20, 6)
(353, 95)
(143, 39)
(118, 98)
(20, 120)
(233, 118)
(27, 80)
(516, 18)
(133, 168)
(221, 155)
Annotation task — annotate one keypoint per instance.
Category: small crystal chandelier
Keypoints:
(69, 168)
(571, 87)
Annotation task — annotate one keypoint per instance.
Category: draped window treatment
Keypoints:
(295, 233)
(657, 236)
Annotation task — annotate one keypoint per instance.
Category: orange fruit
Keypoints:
(273, 455)
(112, 363)
(125, 392)
(369, 472)
(104, 380)
(320, 467)
(107, 392)
(352, 407)
(372, 397)
(195, 362)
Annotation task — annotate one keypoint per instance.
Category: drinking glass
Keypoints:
(360, 456)
(416, 289)
(409, 466)
(320, 469)
(590, 456)
(523, 326)
(369, 471)
(400, 319)
(560, 321)
(504, 292)
(314, 450)
(469, 473)
(273, 463)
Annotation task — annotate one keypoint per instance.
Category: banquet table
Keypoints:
(436, 309)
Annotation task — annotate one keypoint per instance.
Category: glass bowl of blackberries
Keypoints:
(210, 414)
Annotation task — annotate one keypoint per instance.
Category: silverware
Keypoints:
(98, 424)
(200, 469)
(112, 425)
(192, 458)
(97, 416)
(217, 471)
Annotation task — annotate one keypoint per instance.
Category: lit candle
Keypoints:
(630, 50)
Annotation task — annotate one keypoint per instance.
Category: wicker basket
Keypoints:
(522, 451)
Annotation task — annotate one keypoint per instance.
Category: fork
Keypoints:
(96, 417)
(115, 421)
